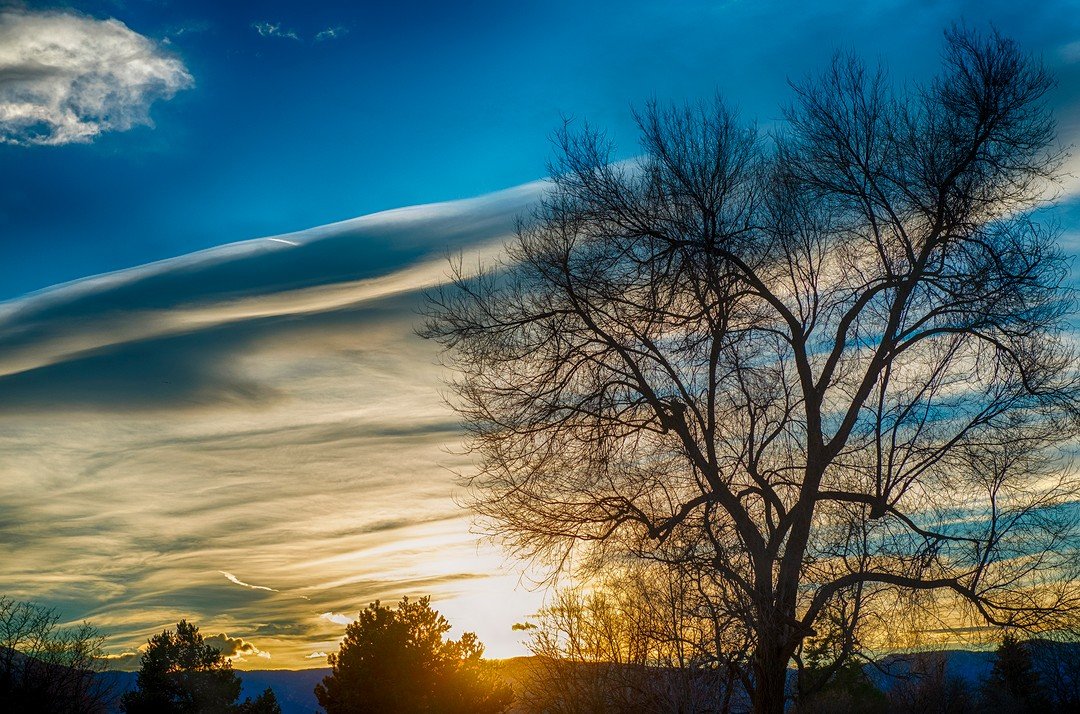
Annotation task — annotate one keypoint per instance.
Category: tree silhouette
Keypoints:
(827, 365)
(397, 661)
(46, 669)
(182, 674)
(265, 703)
(831, 682)
(1013, 686)
(639, 641)
(928, 688)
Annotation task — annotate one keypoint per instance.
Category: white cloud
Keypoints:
(485, 222)
(317, 655)
(269, 29)
(66, 78)
(336, 617)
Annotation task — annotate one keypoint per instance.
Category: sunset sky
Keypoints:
(212, 401)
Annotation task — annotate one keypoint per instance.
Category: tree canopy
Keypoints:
(181, 674)
(825, 369)
(398, 661)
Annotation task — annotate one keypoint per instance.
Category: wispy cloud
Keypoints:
(271, 404)
(124, 661)
(66, 78)
(330, 33)
(1070, 52)
(232, 578)
(270, 29)
(182, 30)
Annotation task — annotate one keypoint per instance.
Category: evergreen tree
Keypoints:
(396, 661)
(265, 703)
(1013, 685)
(834, 682)
(182, 674)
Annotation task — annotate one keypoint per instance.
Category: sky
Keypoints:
(216, 222)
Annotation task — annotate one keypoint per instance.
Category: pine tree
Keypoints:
(182, 674)
(1013, 685)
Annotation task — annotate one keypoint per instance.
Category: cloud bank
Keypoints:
(66, 78)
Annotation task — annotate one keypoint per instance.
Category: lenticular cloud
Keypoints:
(66, 78)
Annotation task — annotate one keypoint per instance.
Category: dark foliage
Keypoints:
(265, 703)
(181, 674)
(831, 680)
(1013, 686)
(397, 661)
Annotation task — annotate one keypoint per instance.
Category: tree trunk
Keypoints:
(770, 683)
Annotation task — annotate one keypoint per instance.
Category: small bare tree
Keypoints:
(643, 639)
(820, 365)
(47, 668)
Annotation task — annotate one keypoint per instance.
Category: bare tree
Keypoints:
(640, 640)
(927, 687)
(820, 365)
(48, 669)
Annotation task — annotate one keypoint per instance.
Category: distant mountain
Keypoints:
(970, 666)
(294, 689)
(1058, 663)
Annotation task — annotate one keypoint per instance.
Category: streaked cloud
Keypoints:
(124, 661)
(162, 334)
(66, 78)
(249, 437)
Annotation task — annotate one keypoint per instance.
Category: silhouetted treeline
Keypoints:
(1026, 677)
(48, 669)
(630, 643)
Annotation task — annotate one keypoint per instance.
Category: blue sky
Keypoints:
(252, 436)
(412, 102)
